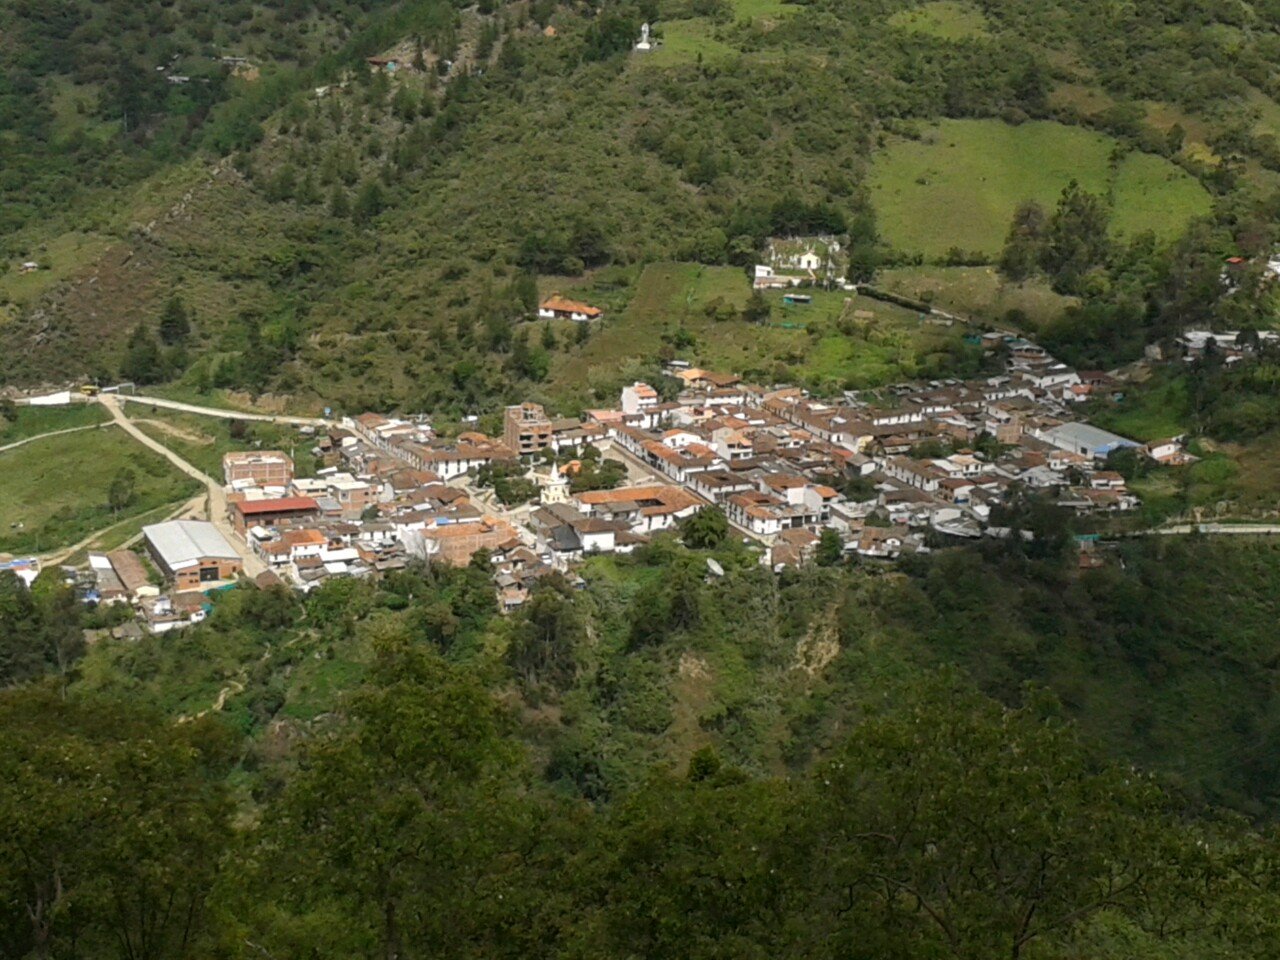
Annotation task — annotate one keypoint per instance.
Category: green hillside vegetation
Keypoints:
(700, 314)
(388, 224)
(767, 673)
(944, 19)
(977, 292)
(958, 184)
(56, 490)
(1233, 417)
(657, 722)
(19, 422)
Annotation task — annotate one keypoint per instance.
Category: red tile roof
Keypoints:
(561, 305)
(281, 505)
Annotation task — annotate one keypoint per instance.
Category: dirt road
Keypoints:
(215, 411)
(253, 564)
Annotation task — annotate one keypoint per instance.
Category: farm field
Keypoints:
(683, 41)
(944, 19)
(1149, 411)
(1153, 194)
(1267, 110)
(57, 488)
(977, 292)
(118, 535)
(838, 341)
(959, 184)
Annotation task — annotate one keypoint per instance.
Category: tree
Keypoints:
(1130, 462)
(339, 205)
(122, 490)
(524, 290)
(380, 829)
(830, 549)
(757, 309)
(20, 656)
(370, 202)
(142, 363)
(705, 530)
(112, 828)
(175, 323)
(1023, 246)
(404, 104)
(546, 635)
(1075, 240)
(699, 867)
(971, 831)
(56, 635)
(608, 35)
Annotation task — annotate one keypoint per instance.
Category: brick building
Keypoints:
(266, 468)
(247, 513)
(191, 553)
(526, 428)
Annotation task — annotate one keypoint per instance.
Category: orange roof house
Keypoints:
(556, 307)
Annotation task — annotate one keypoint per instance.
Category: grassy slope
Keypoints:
(802, 342)
(977, 292)
(686, 40)
(944, 19)
(1152, 194)
(33, 421)
(959, 184)
(57, 487)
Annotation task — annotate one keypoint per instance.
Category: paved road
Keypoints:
(51, 433)
(1214, 529)
(253, 564)
(215, 411)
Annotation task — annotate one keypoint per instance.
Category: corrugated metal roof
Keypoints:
(1087, 435)
(181, 542)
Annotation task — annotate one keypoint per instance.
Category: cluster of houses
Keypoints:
(168, 584)
(884, 471)
(889, 473)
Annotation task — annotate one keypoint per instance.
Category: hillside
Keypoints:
(908, 675)
(317, 232)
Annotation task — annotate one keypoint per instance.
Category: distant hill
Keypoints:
(371, 233)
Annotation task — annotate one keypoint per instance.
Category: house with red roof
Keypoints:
(556, 307)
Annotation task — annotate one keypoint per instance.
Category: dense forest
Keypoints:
(985, 753)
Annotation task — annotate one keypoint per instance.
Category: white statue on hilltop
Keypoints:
(644, 43)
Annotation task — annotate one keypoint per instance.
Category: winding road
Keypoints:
(253, 564)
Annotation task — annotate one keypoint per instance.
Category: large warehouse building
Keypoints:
(191, 553)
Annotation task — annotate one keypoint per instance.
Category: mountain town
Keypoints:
(874, 476)
(646, 480)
